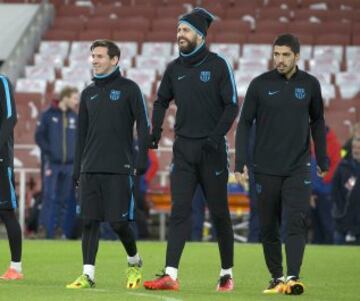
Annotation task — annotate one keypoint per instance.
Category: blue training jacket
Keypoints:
(56, 133)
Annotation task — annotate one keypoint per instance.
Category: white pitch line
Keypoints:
(159, 297)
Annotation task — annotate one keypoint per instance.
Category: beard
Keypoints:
(188, 47)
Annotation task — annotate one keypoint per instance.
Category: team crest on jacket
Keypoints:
(115, 95)
(300, 93)
(205, 76)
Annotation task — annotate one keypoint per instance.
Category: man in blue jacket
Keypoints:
(55, 135)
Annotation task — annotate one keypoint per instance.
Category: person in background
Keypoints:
(141, 187)
(321, 203)
(55, 135)
(346, 197)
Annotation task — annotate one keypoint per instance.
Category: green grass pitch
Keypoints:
(329, 273)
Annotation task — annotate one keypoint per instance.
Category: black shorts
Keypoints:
(7, 191)
(106, 197)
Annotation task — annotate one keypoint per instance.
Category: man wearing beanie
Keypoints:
(202, 85)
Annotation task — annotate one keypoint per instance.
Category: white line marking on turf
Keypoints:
(165, 298)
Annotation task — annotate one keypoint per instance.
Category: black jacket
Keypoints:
(346, 196)
(203, 87)
(108, 110)
(285, 111)
(8, 120)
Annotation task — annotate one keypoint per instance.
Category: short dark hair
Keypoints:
(288, 40)
(67, 92)
(113, 49)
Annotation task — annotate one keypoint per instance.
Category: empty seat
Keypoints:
(332, 39)
(60, 48)
(302, 15)
(173, 11)
(328, 52)
(323, 77)
(352, 53)
(257, 51)
(305, 51)
(43, 72)
(23, 98)
(156, 49)
(324, 65)
(141, 75)
(129, 36)
(31, 85)
(307, 39)
(157, 63)
(69, 23)
(304, 27)
(225, 26)
(91, 35)
(128, 49)
(256, 64)
(272, 27)
(230, 37)
(229, 50)
(55, 60)
(61, 83)
(283, 4)
(164, 23)
(328, 92)
(74, 10)
(160, 36)
(60, 35)
(261, 38)
(274, 14)
(145, 11)
(76, 73)
(240, 11)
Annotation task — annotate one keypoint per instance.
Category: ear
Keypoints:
(114, 61)
(297, 57)
(199, 39)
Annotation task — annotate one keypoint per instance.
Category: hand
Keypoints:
(154, 140)
(242, 178)
(321, 173)
(76, 183)
(139, 171)
(210, 145)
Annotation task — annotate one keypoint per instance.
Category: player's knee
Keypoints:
(297, 223)
(269, 233)
(88, 224)
(120, 227)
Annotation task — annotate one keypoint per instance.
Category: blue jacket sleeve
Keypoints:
(8, 116)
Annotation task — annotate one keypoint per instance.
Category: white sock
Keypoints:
(282, 278)
(16, 266)
(290, 277)
(89, 270)
(132, 260)
(224, 272)
(172, 272)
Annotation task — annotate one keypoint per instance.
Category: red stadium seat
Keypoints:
(60, 35)
(91, 35)
(230, 25)
(161, 36)
(230, 37)
(129, 36)
(271, 27)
